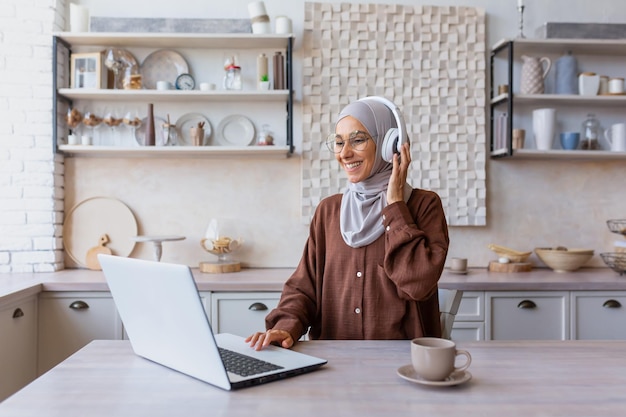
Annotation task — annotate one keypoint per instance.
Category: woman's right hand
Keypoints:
(260, 340)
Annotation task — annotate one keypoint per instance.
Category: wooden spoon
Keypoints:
(92, 254)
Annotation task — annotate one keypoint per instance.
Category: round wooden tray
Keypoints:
(220, 267)
(88, 220)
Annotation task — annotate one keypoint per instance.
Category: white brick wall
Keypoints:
(31, 176)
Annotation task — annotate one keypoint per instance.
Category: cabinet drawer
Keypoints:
(472, 307)
(241, 313)
(527, 315)
(68, 321)
(599, 315)
(468, 331)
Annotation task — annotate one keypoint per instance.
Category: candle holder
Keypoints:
(520, 9)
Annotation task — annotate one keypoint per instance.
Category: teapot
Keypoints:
(533, 74)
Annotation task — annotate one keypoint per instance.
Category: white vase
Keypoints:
(588, 84)
(544, 128)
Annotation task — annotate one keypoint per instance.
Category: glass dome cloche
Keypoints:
(222, 239)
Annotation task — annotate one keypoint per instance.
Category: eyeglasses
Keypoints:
(358, 141)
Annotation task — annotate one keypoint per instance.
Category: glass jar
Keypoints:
(232, 79)
(590, 133)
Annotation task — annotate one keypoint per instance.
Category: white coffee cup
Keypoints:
(163, 85)
(205, 86)
(86, 140)
(544, 128)
(434, 358)
(616, 136)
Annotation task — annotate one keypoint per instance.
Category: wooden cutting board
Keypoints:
(92, 254)
(495, 266)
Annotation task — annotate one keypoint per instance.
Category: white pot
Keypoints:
(588, 84)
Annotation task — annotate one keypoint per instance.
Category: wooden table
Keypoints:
(529, 378)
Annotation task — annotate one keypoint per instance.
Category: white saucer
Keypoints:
(407, 372)
(452, 271)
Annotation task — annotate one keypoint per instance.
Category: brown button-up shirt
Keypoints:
(386, 290)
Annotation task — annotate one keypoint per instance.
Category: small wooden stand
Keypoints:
(495, 266)
(219, 267)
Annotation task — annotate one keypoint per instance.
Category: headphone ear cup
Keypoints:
(390, 144)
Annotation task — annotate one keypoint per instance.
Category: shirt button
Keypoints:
(388, 228)
(359, 274)
(357, 310)
(384, 217)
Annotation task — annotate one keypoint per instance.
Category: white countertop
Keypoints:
(19, 285)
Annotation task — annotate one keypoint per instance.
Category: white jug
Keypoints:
(616, 136)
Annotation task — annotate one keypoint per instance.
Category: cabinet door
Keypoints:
(241, 313)
(18, 345)
(598, 315)
(68, 321)
(469, 322)
(527, 315)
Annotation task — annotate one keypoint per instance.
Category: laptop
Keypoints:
(166, 323)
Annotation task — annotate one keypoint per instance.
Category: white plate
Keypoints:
(190, 120)
(94, 217)
(162, 65)
(235, 130)
(408, 372)
(159, 133)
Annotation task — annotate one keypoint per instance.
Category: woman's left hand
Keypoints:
(395, 189)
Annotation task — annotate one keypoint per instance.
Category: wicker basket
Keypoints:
(510, 254)
(615, 260)
(562, 259)
(617, 226)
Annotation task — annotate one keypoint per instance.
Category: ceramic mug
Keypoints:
(458, 264)
(616, 136)
(519, 135)
(616, 86)
(544, 128)
(434, 359)
(569, 140)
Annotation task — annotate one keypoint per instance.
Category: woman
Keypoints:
(374, 254)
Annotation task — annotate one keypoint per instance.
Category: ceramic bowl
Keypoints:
(563, 259)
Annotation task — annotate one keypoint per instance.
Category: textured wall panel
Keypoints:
(431, 62)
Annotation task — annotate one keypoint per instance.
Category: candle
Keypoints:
(520, 3)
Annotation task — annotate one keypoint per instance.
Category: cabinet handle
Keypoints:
(18, 313)
(526, 304)
(611, 304)
(79, 305)
(257, 307)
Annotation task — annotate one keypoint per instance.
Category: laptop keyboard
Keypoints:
(243, 365)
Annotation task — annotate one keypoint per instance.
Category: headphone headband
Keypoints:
(397, 114)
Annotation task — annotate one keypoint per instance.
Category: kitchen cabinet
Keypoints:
(18, 344)
(241, 313)
(598, 315)
(70, 320)
(511, 110)
(514, 315)
(201, 51)
(469, 322)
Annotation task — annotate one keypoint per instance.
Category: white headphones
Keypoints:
(395, 137)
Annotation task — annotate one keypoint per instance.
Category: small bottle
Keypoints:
(590, 133)
(261, 66)
(150, 132)
(279, 71)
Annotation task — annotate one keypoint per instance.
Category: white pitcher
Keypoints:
(616, 136)
(534, 71)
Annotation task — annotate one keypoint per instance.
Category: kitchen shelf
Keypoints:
(562, 100)
(575, 155)
(509, 104)
(174, 95)
(176, 40)
(258, 152)
(67, 42)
